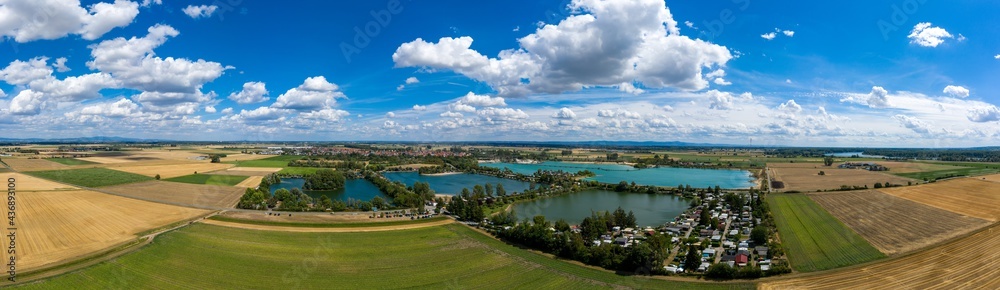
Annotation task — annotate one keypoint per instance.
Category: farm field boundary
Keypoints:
(814, 239)
(892, 224)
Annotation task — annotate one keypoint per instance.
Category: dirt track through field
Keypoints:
(967, 263)
(968, 196)
(250, 182)
(895, 225)
(327, 230)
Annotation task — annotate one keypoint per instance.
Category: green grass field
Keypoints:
(70, 161)
(91, 177)
(967, 169)
(814, 239)
(276, 161)
(227, 180)
(211, 257)
(299, 170)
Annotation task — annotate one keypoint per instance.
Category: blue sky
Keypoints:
(907, 73)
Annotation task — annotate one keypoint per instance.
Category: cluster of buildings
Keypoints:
(863, 165)
(728, 241)
(623, 237)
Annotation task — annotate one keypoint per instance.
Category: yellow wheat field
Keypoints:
(968, 196)
(60, 226)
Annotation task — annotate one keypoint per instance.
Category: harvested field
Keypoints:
(805, 176)
(243, 157)
(175, 170)
(895, 225)
(58, 226)
(27, 183)
(24, 164)
(167, 154)
(181, 193)
(252, 181)
(911, 167)
(247, 171)
(967, 263)
(107, 160)
(968, 196)
(992, 178)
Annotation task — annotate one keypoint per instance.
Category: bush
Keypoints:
(720, 271)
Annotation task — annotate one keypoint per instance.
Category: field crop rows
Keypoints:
(967, 263)
(968, 196)
(434, 257)
(275, 161)
(892, 224)
(91, 177)
(813, 238)
(226, 180)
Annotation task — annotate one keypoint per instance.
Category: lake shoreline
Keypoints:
(665, 176)
(442, 173)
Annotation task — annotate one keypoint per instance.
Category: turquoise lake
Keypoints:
(453, 184)
(358, 189)
(649, 209)
(663, 176)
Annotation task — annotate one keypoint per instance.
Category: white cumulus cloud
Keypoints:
(200, 11)
(923, 34)
(314, 94)
(29, 20)
(956, 91)
(564, 113)
(133, 62)
(253, 92)
(639, 41)
(984, 114)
